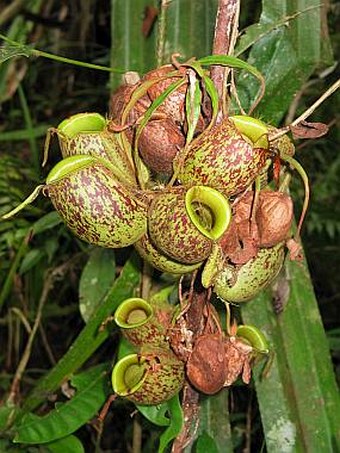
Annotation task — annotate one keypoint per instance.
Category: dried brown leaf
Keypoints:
(306, 129)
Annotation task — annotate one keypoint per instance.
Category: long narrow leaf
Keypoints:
(234, 62)
(23, 134)
(66, 418)
(156, 103)
(96, 279)
(211, 91)
(90, 338)
(10, 51)
(299, 400)
(193, 101)
(206, 443)
(131, 49)
(214, 422)
(189, 28)
(255, 32)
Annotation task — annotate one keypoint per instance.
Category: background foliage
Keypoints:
(44, 271)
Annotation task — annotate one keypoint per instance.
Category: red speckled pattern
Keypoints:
(172, 231)
(245, 282)
(222, 159)
(160, 261)
(164, 378)
(97, 208)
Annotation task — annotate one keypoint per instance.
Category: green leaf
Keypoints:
(125, 348)
(31, 259)
(286, 56)
(130, 49)
(96, 279)
(164, 294)
(25, 203)
(255, 32)
(214, 421)
(7, 286)
(46, 222)
(298, 399)
(205, 443)
(6, 413)
(188, 28)
(212, 92)
(23, 134)
(157, 103)
(158, 415)
(69, 444)
(231, 62)
(334, 339)
(10, 51)
(193, 101)
(176, 423)
(28, 121)
(298, 396)
(67, 417)
(91, 337)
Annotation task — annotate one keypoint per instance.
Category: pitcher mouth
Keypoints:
(253, 130)
(208, 210)
(133, 312)
(129, 374)
(82, 123)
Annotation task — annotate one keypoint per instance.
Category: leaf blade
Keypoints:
(286, 56)
(306, 405)
(69, 444)
(10, 51)
(66, 418)
(96, 279)
(90, 338)
(175, 425)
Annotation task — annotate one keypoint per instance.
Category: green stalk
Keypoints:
(83, 64)
(30, 51)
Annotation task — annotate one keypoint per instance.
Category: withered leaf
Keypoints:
(294, 249)
(206, 366)
(309, 130)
